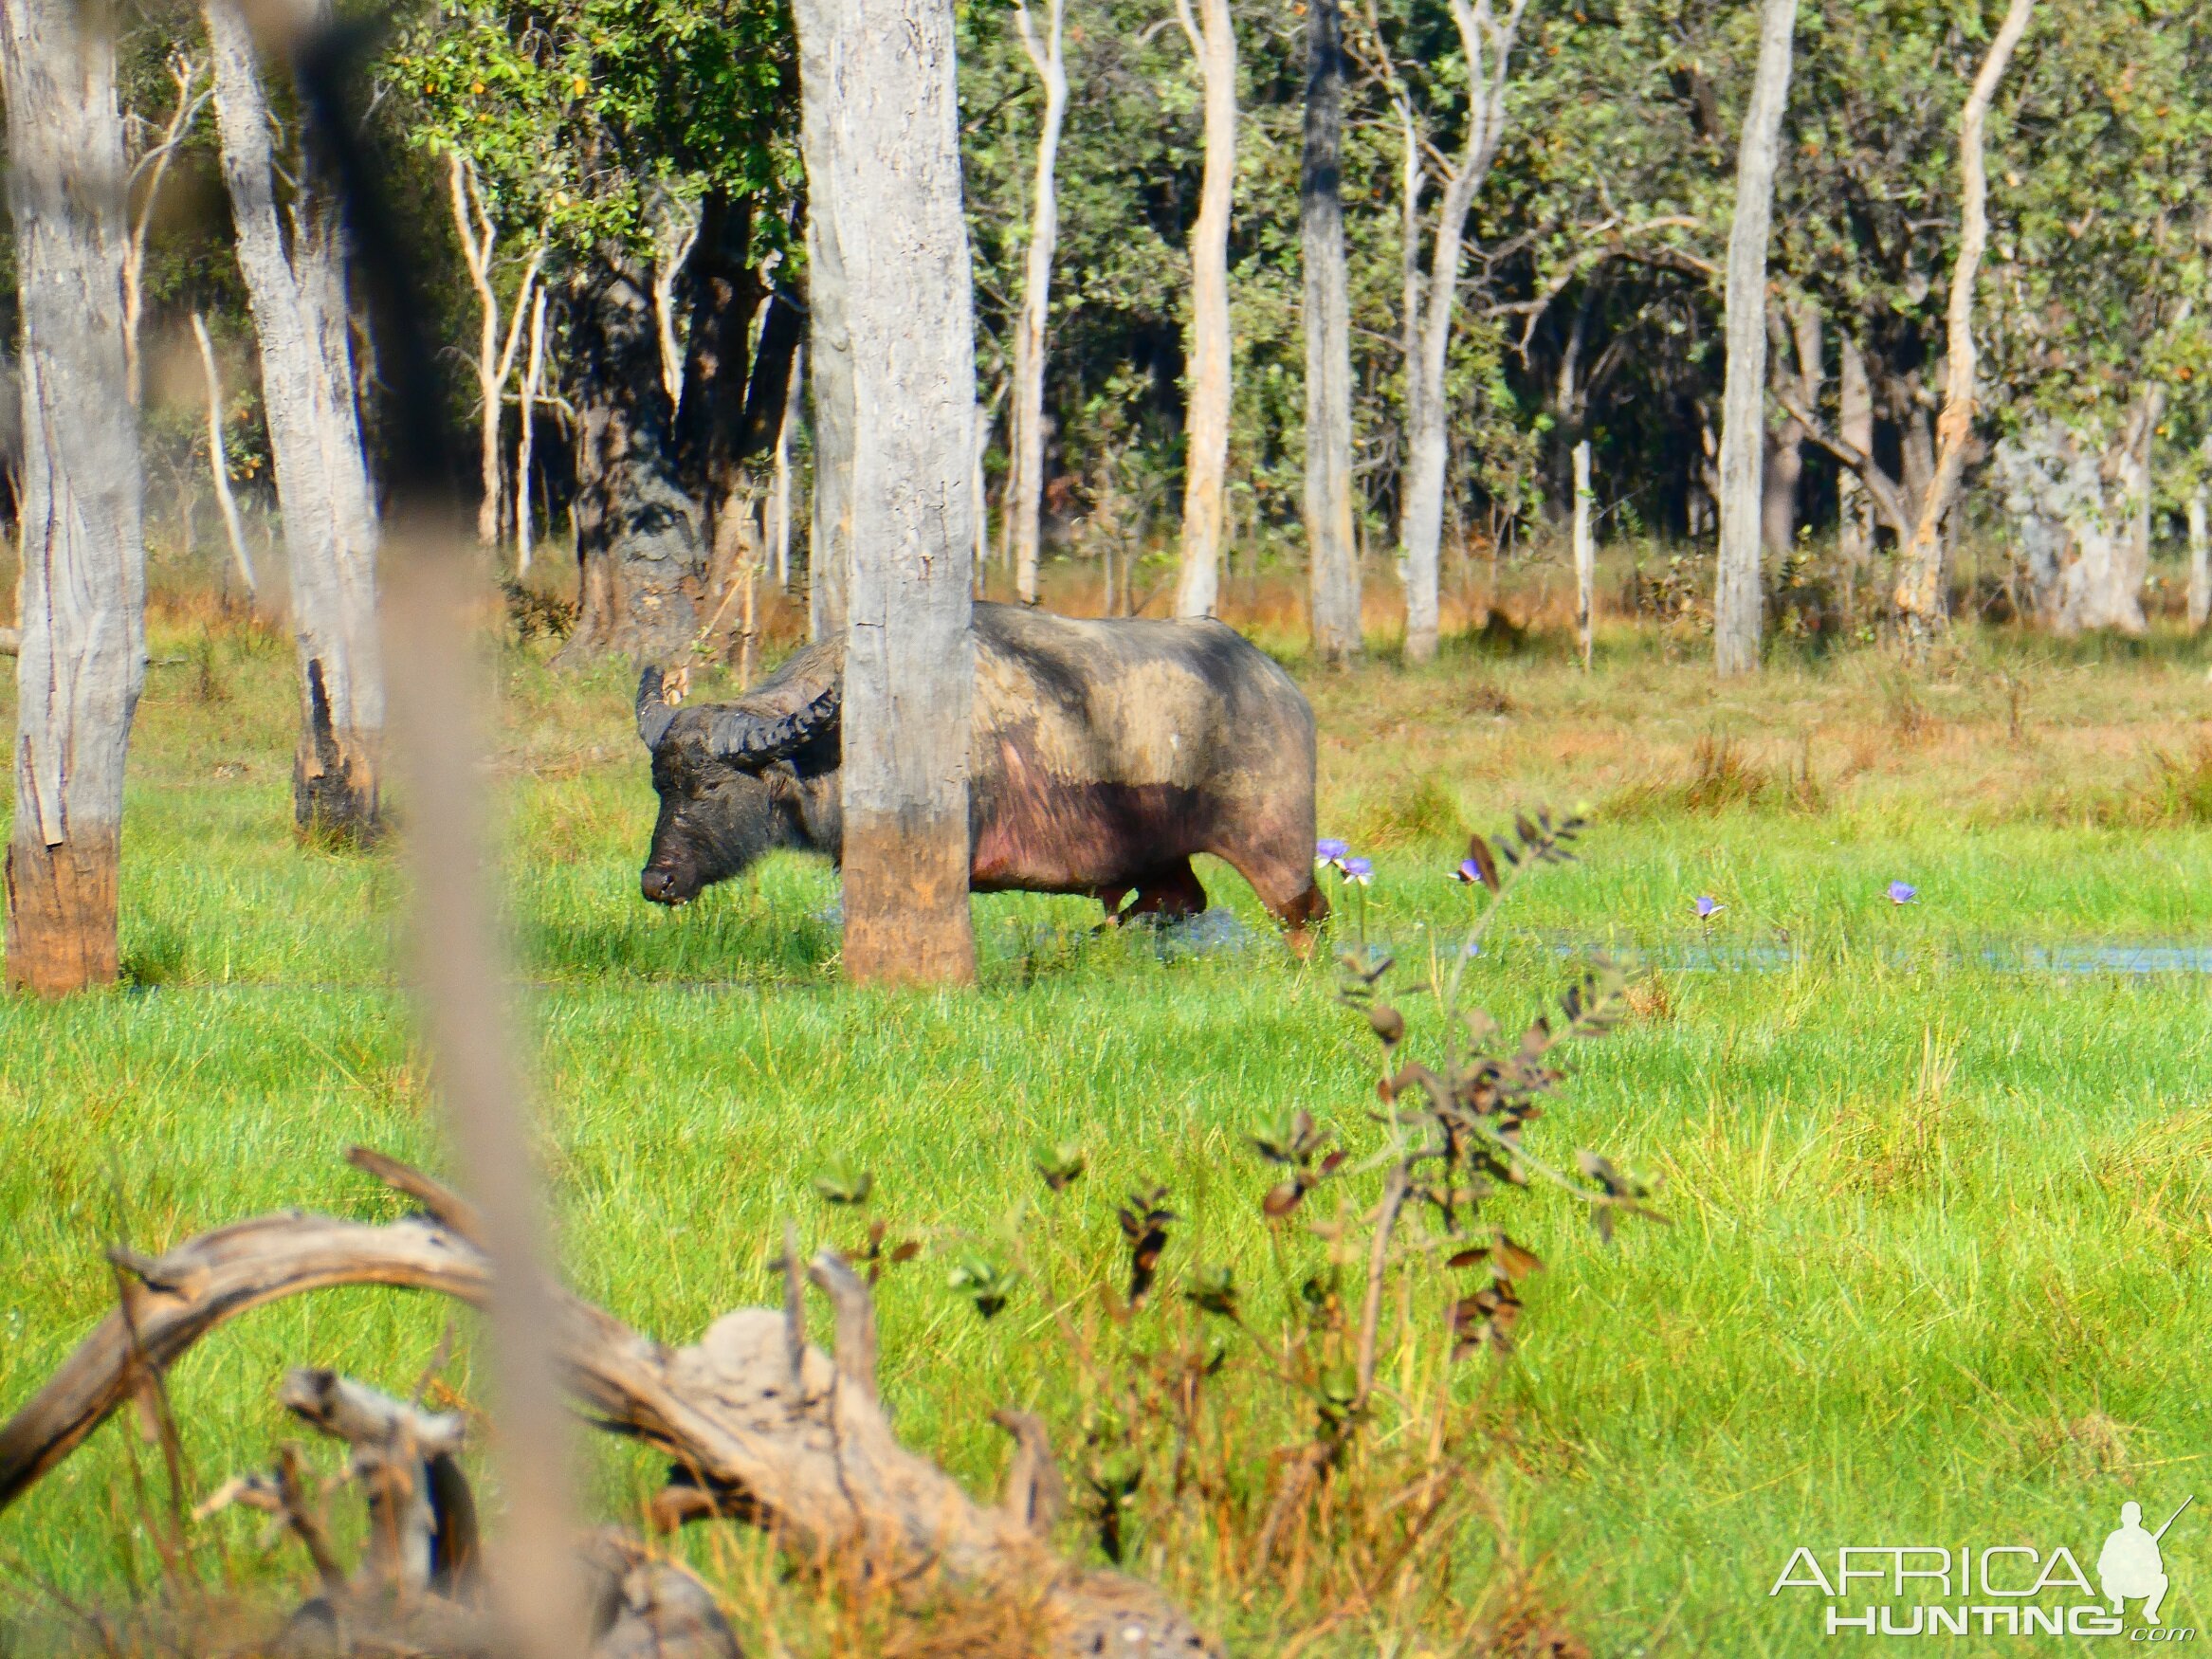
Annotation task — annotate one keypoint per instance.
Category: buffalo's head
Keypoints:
(726, 779)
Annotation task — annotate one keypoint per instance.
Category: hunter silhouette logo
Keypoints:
(2130, 1566)
(1993, 1589)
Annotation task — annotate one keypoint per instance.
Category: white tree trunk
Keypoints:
(219, 463)
(525, 440)
(300, 311)
(1027, 439)
(1737, 598)
(81, 609)
(1923, 596)
(1585, 555)
(2201, 551)
(478, 234)
(884, 187)
(780, 488)
(829, 337)
(184, 72)
(1487, 42)
(1212, 38)
(1333, 565)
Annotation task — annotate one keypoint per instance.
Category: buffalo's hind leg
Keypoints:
(1170, 891)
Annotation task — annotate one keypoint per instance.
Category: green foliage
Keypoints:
(587, 117)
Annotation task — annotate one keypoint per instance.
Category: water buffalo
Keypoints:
(1104, 755)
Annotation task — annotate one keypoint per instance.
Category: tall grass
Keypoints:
(1940, 1248)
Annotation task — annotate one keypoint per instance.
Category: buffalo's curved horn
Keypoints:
(744, 738)
(653, 712)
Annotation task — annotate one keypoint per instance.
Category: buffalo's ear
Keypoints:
(655, 715)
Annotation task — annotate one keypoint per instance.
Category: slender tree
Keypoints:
(1212, 38)
(1333, 565)
(1855, 418)
(82, 608)
(1048, 57)
(219, 464)
(1585, 555)
(1922, 597)
(1794, 362)
(1486, 41)
(884, 190)
(527, 438)
(1736, 598)
(187, 73)
(2200, 548)
(297, 287)
(478, 234)
(829, 332)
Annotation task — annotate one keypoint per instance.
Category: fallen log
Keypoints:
(761, 1424)
(417, 1593)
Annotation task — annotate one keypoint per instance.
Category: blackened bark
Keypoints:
(640, 542)
(724, 292)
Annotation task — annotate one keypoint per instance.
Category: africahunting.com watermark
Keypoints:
(2009, 1589)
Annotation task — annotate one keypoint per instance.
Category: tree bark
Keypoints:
(1049, 59)
(1333, 566)
(1737, 599)
(296, 288)
(1923, 596)
(81, 656)
(884, 186)
(828, 333)
(640, 546)
(1487, 42)
(1212, 38)
(1855, 421)
(1794, 338)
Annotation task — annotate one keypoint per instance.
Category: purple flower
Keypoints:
(1469, 871)
(1903, 892)
(1358, 871)
(1708, 907)
(1330, 850)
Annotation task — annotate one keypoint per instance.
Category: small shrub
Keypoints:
(1423, 815)
(1486, 696)
(535, 615)
(2175, 790)
(156, 956)
(209, 684)
(1909, 717)
(1722, 776)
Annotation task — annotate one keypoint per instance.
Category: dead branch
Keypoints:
(1888, 495)
(779, 1434)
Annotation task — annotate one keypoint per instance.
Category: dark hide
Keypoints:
(1104, 755)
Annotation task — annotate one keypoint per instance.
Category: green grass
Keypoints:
(1939, 1251)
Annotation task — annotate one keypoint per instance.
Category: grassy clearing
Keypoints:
(1940, 1228)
